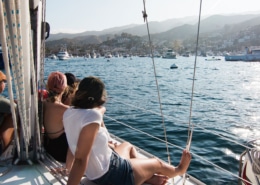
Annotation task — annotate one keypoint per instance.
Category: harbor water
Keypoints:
(148, 102)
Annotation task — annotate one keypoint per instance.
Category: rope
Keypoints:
(4, 37)
(39, 60)
(191, 127)
(19, 41)
(157, 85)
(15, 51)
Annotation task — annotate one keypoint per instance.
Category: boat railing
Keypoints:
(182, 124)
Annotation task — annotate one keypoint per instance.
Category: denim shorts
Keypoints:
(119, 173)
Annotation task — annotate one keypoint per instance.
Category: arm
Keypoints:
(69, 160)
(88, 133)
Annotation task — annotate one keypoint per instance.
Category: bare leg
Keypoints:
(126, 150)
(157, 180)
(184, 163)
(6, 131)
(144, 169)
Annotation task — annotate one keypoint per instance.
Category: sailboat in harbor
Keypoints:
(25, 160)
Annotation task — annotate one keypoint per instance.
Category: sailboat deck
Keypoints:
(43, 171)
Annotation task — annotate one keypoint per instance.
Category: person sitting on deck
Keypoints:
(6, 121)
(55, 141)
(72, 83)
(95, 159)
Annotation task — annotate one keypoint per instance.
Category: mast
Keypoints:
(18, 41)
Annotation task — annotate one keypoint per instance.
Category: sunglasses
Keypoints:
(4, 81)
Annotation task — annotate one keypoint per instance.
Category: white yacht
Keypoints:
(63, 54)
(170, 54)
(108, 55)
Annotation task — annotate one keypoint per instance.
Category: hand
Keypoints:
(112, 145)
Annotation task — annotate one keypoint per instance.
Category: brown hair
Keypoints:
(91, 93)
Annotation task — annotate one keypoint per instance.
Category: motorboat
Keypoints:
(251, 54)
(108, 55)
(169, 54)
(93, 54)
(63, 54)
(213, 59)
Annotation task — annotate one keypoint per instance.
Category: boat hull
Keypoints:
(63, 58)
(242, 58)
(234, 57)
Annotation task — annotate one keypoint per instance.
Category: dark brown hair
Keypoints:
(91, 93)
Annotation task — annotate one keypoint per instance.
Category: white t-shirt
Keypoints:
(74, 120)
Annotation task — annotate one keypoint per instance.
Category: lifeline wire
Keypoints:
(157, 86)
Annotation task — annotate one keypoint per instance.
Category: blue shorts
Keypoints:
(120, 172)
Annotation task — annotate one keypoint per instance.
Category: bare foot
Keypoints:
(157, 180)
(184, 163)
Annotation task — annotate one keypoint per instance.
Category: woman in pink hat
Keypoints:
(55, 141)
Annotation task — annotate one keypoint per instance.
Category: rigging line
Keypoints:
(22, 82)
(15, 57)
(39, 60)
(195, 126)
(181, 148)
(5, 42)
(191, 127)
(34, 67)
(157, 85)
(40, 70)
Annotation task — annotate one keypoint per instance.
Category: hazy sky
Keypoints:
(73, 16)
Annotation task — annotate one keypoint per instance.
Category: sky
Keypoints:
(75, 16)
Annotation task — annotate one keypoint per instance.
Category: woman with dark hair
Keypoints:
(69, 92)
(93, 157)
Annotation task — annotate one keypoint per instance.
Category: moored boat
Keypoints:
(213, 59)
(108, 55)
(63, 54)
(252, 54)
(169, 54)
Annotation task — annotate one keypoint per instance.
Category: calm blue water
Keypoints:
(226, 104)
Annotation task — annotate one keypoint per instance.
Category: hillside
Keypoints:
(169, 30)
